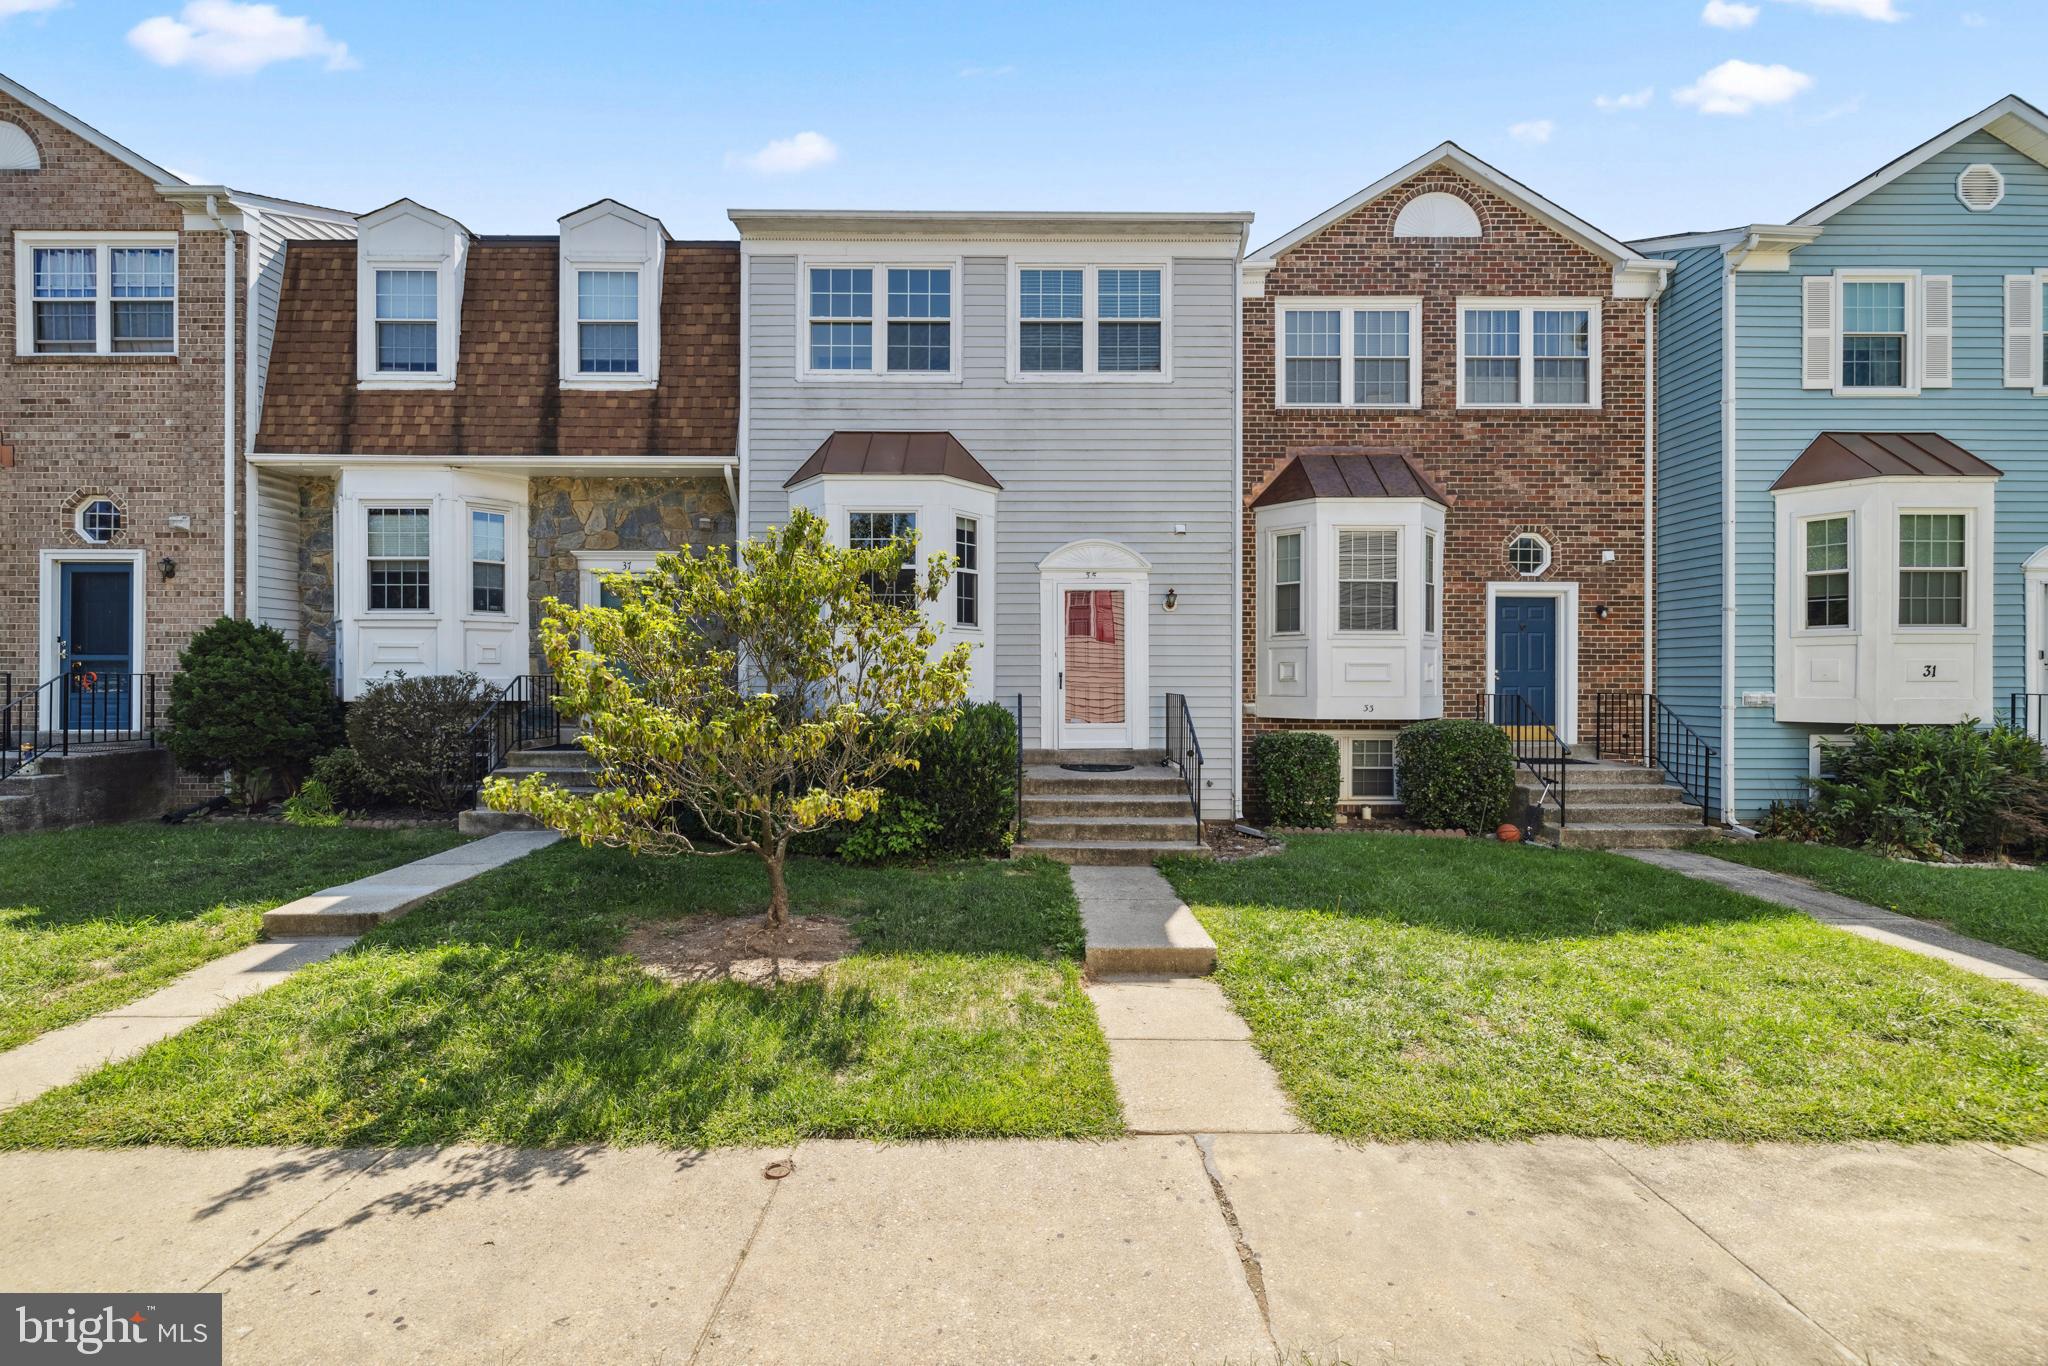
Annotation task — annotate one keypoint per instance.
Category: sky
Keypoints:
(1643, 118)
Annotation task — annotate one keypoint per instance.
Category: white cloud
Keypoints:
(968, 73)
(226, 38)
(1729, 14)
(1736, 87)
(787, 156)
(1536, 131)
(10, 8)
(1972, 19)
(1635, 99)
(1884, 11)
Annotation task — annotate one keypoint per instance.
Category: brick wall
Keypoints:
(1575, 477)
(143, 430)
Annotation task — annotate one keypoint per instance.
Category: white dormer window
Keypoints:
(410, 263)
(611, 267)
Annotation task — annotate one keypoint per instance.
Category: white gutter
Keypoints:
(227, 409)
(1730, 260)
(1237, 537)
(252, 510)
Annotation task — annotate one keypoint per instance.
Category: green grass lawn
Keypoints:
(1433, 989)
(499, 1012)
(95, 918)
(2006, 906)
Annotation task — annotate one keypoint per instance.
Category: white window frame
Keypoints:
(878, 321)
(1344, 741)
(1337, 581)
(470, 561)
(1969, 570)
(1091, 320)
(103, 245)
(1549, 554)
(1526, 387)
(1432, 585)
(576, 376)
(84, 504)
(432, 508)
(1350, 307)
(1915, 339)
(1801, 574)
(442, 375)
(915, 563)
(1273, 584)
(978, 572)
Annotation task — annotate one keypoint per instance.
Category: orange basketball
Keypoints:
(1509, 834)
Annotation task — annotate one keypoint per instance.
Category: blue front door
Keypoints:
(96, 625)
(1525, 657)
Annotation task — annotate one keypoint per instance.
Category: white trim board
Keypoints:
(2011, 120)
(50, 599)
(1567, 595)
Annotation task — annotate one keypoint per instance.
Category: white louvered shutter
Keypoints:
(1817, 331)
(2022, 332)
(1937, 331)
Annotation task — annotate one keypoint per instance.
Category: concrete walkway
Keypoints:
(1244, 1248)
(315, 927)
(1858, 917)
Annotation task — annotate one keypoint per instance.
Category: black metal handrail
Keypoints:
(521, 712)
(1184, 748)
(1640, 728)
(1017, 801)
(1537, 746)
(2029, 713)
(86, 707)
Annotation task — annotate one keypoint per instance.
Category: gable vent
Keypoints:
(18, 150)
(1980, 187)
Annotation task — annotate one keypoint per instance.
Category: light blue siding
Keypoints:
(1689, 371)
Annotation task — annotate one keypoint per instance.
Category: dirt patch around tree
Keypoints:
(725, 948)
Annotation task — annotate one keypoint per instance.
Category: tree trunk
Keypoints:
(778, 890)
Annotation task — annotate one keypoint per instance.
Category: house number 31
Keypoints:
(1930, 670)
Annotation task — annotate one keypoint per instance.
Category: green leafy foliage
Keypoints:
(1299, 771)
(413, 736)
(249, 703)
(966, 777)
(1456, 775)
(348, 779)
(900, 828)
(311, 807)
(1926, 791)
(739, 700)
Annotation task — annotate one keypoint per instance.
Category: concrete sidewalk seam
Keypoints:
(2007, 1157)
(1848, 1354)
(739, 1263)
(295, 1220)
(1247, 1256)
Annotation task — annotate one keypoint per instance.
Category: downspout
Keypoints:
(252, 509)
(1650, 486)
(1731, 261)
(739, 498)
(1237, 535)
(227, 410)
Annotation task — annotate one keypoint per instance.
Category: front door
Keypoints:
(1094, 633)
(96, 645)
(1525, 658)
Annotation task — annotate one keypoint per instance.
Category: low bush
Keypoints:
(348, 779)
(1456, 775)
(311, 806)
(901, 828)
(413, 736)
(1300, 772)
(960, 800)
(250, 704)
(1927, 791)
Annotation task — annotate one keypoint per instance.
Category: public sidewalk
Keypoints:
(1228, 1248)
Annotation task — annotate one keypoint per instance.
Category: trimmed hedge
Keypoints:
(1456, 775)
(1300, 772)
(959, 801)
(249, 703)
(413, 736)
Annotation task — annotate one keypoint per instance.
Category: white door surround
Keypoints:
(50, 587)
(1567, 595)
(1105, 565)
(2035, 614)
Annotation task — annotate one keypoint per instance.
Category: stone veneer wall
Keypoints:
(316, 566)
(569, 514)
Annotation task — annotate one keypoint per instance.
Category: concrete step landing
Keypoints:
(1137, 923)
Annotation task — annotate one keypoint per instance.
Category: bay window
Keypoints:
(966, 572)
(1287, 583)
(873, 530)
(112, 296)
(1368, 580)
(1351, 353)
(1933, 569)
(1827, 573)
(487, 561)
(1430, 605)
(1108, 322)
(1540, 353)
(400, 552)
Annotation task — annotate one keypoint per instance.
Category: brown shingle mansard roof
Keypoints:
(1838, 457)
(508, 398)
(930, 455)
(1349, 472)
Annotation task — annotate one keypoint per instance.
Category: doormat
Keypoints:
(1097, 768)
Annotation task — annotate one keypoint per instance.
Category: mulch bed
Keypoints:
(724, 948)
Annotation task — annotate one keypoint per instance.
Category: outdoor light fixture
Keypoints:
(1172, 598)
(168, 567)
(1601, 611)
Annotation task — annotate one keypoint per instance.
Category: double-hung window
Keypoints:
(1287, 583)
(1369, 580)
(1107, 321)
(1934, 569)
(916, 320)
(1827, 573)
(1528, 353)
(608, 322)
(1430, 605)
(407, 318)
(486, 561)
(97, 298)
(1875, 335)
(1372, 768)
(1352, 353)
(871, 531)
(966, 571)
(400, 552)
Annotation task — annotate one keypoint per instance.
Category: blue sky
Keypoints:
(1643, 118)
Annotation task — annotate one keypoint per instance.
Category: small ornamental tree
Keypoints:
(251, 704)
(735, 703)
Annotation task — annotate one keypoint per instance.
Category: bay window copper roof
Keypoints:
(1350, 472)
(928, 455)
(1839, 457)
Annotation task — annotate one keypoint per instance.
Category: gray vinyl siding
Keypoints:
(276, 570)
(1690, 354)
(1915, 222)
(1124, 462)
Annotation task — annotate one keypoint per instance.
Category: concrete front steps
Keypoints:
(1618, 806)
(566, 766)
(1128, 818)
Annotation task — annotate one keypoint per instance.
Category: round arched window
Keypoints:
(99, 520)
(1529, 555)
